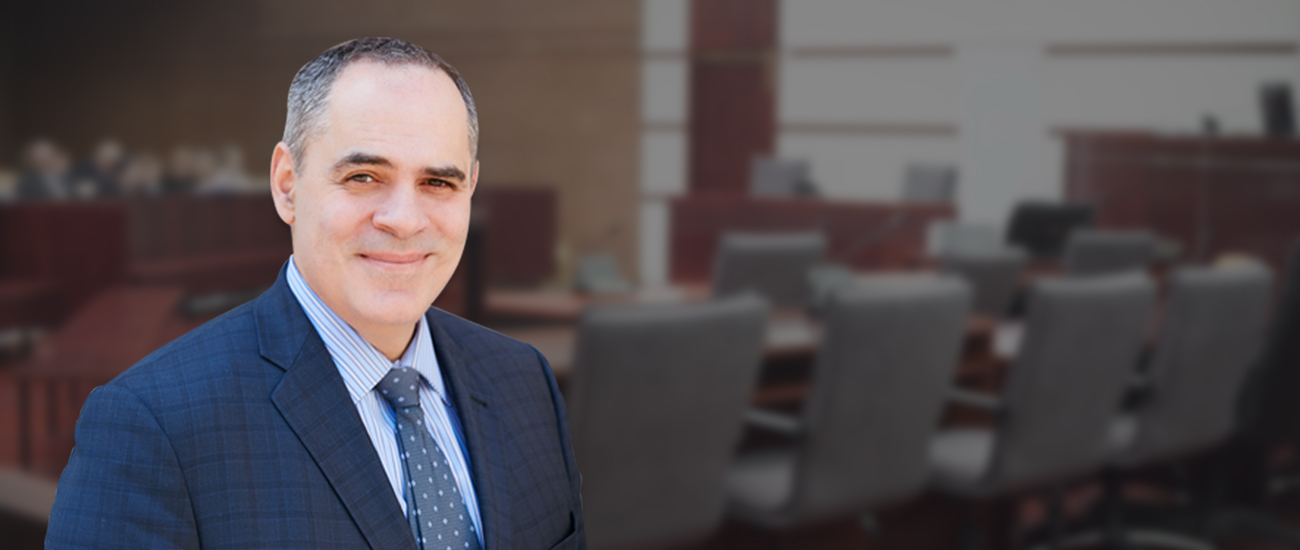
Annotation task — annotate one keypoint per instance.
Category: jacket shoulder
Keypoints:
(472, 336)
(214, 349)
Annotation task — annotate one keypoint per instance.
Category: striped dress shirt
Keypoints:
(362, 366)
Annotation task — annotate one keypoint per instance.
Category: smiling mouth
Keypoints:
(395, 259)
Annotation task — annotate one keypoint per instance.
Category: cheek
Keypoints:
(337, 224)
(452, 220)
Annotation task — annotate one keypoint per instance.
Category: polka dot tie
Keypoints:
(434, 505)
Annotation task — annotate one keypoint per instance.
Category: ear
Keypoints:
(283, 180)
(473, 178)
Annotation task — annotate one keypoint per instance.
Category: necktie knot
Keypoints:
(401, 388)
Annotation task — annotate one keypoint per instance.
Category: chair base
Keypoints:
(1252, 524)
(1132, 538)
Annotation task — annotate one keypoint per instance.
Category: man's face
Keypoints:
(381, 205)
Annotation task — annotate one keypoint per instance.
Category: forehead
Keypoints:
(411, 104)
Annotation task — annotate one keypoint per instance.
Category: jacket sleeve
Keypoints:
(123, 486)
(579, 537)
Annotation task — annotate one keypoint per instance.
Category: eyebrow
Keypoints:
(366, 159)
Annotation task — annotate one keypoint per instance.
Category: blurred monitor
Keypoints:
(1278, 110)
(1041, 228)
(774, 177)
(929, 183)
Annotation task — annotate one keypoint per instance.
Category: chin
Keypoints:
(394, 308)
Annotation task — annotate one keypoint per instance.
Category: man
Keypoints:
(338, 410)
(101, 174)
(46, 176)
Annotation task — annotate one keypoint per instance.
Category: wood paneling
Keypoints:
(81, 248)
(206, 244)
(519, 233)
(732, 91)
(1213, 195)
(732, 119)
(11, 420)
(180, 226)
(733, 24)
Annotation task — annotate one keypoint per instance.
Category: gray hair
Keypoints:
(309, 93)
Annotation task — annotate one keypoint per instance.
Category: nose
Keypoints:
(400, 214)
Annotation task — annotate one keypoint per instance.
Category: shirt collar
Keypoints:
(359, 362)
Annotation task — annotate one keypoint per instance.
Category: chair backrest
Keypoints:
(656, 402)
(890, 349)
(993, 275)
(1212, 330)
(1102, 252)
(824, 280)
(929, 183)
(1268, 404)
(1040, 228)
(946, 238)
(1081, 344)
(775, 265)
(773, 177)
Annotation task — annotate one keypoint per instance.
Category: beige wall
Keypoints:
(556, 84)
(868, 87)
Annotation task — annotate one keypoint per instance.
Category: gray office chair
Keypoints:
(1213, 329)
(775, 265)
(1082, 338)
(656, 401)
(993, 275)
(888, 356)
(1100, 252)
(824, 280)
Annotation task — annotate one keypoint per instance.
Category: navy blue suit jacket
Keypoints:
(241, 434)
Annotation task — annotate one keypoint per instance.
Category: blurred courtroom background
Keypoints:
(936, 200)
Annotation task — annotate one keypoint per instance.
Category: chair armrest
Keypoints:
(1138, 393)
(776, 422)
(1139, 381)
(991, 403)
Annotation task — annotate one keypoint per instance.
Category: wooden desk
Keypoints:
(1213, 194)
(863, 235)
(78, 248)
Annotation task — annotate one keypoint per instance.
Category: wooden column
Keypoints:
(733, 97)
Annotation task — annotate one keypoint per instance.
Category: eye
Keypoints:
(440, 184)
(361, 178)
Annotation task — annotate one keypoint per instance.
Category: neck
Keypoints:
(391, 341)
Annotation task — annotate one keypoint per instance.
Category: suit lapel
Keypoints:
(316, 405)
(467, 388)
